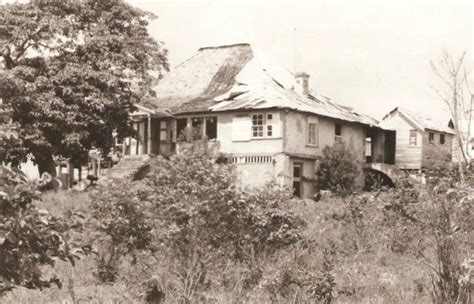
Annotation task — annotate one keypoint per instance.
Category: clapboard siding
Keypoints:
(436, 154)
(406, 156)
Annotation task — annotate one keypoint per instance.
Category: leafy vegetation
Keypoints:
(70, 73)
(186, 234)
(29, 237)
(337, 170)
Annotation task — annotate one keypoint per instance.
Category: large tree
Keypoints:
(70, 71)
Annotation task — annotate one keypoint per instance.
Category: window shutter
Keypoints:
(241, 128)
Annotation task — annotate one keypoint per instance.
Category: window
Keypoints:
(441, 139)
(163, 130)
(181, 124)
(431, 136)
(313, 133)
(338, 129)
(262, 125)
(368, 149)
(196, 131)
(211, 127)
(257, 125)
(412, 140)
(269, 125)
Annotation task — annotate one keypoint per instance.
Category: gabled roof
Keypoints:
(235, 77)
(422, 122)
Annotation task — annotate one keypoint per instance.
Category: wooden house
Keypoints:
(421, 141)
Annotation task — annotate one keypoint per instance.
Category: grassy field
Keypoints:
(349, 245)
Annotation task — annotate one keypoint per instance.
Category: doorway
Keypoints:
(297, 182)
(390, 146)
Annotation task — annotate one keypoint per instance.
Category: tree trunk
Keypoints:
(46, 164)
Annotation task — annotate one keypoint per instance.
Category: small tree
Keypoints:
(337, 169)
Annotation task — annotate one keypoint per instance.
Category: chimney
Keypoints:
(302, 85)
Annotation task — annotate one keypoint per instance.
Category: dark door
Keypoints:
(390, 143)
(297, 183)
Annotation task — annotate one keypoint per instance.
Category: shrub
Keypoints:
(29, 237)
(207, 220)
(338, 170)
(445, 218)
(189, 209)
(120, 215)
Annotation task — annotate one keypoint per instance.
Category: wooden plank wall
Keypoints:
(436, 154)
(406, 157)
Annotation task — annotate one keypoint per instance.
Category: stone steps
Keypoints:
(128, 167)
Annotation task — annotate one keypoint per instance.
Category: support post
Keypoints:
(94, 167)
(124, 146)
(70, 173)
(98, 167)
(149, 135)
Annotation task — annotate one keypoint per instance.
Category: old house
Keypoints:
(264, 119)
(421, 141)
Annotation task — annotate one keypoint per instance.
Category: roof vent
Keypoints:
(302, 84)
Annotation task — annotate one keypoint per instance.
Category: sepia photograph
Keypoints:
(240, 152)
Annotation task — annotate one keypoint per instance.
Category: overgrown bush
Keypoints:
(29, 237)
(446, 219)
(337, 170)
(120, 214)
(189, 210)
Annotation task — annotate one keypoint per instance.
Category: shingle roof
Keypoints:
(234, 77)
(422, 121)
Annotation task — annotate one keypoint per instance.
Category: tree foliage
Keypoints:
(71, 71)
(337, 170)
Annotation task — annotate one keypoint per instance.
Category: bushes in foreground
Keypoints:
(196, 219)
(30, 238)
(187, 235)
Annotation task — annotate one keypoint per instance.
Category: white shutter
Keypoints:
(241, 128)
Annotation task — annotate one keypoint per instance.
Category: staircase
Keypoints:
(129, 167)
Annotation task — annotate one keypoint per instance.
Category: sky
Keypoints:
(371, 55)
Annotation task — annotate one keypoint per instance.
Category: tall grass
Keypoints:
(351, 253)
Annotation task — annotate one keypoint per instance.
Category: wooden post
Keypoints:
(98, 167)
(70, 174)
(124, 146)
(94, 167)
(149, 135)
(203, 130)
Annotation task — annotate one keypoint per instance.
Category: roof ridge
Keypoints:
(223, 46)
